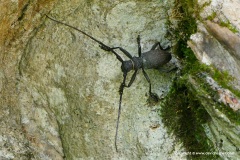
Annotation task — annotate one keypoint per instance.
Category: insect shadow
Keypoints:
(153, 59)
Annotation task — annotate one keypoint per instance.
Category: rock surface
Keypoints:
(64, 89)
(59, 91)
(217, 43)
(218, 46)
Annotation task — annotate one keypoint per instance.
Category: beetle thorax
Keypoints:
(133, 64)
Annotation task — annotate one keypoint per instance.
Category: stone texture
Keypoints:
(216, 45)
(59, 91)
(66, 87)
(217, 48)
(227, 38)
(225, 10)
(223, 132)
(19, 20)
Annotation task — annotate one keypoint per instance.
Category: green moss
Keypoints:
(184, 116)
(182, 110)
(233, 116)
(212, 16)
(187, 25)
(229, 26)
(223, 23)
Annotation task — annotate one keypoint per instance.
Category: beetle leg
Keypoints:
(155, 46)
(139, 46)
(106, 48)
(158, 44)
(152, 95)
(124, 51)
(132, 79)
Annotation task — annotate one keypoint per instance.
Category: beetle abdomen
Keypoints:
(155, 58)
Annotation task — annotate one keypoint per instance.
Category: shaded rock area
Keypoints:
(59, 90)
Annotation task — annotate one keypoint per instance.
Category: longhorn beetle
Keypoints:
(152, 59)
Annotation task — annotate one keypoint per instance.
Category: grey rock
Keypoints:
(67, 87)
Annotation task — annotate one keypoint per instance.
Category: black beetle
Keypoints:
(152, 59)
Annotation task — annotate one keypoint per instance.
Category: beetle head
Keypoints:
(127, 66)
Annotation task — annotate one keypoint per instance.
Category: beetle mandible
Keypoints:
(152, 59)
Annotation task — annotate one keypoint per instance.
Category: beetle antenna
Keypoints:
(77, 30)
(119, 109)
(101, 45)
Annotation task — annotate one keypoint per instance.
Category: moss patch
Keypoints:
(229, 26)
(223, 23)
(184, 116)
(183, 111)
